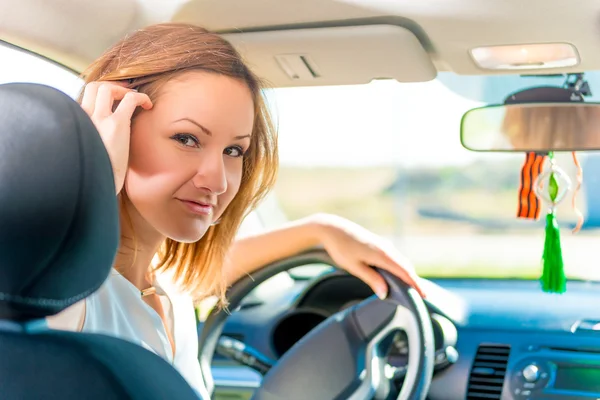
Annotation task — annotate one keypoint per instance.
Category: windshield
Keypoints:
(387, 155)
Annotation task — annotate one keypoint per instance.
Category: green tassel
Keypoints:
(553, 276)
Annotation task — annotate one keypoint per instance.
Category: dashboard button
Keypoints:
(531, 373)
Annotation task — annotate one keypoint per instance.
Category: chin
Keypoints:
(190, 235)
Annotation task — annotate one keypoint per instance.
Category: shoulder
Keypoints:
(70, 319)
(74, 317)
(182, 305)
(186, 332)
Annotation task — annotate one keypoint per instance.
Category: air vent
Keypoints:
(487, 375)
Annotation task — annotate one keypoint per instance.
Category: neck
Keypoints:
(138, 246)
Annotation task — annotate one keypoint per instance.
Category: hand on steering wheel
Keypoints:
(342, 358)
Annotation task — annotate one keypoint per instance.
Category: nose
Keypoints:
(211, 174)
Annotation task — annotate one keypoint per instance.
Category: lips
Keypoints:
(198, 208)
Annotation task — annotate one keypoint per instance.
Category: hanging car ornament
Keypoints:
(544, 183)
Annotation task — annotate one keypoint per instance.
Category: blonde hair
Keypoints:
(147, 59)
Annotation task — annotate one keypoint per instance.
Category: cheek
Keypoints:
(152, 153)
(144, 154)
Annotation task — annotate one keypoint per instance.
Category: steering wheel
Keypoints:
(342, 358)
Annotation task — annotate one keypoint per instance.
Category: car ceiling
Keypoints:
(406, 40)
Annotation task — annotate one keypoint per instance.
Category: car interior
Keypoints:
(403, 117)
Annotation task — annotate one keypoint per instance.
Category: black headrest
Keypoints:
(544, 94)
(59, 227)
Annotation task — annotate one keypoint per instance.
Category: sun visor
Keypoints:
(335, 56)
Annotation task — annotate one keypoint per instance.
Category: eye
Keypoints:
(186, 139)
(234, 151)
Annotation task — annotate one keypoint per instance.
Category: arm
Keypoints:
(253, 252)
(350, 246)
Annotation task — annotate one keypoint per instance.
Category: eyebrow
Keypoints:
(207, 131)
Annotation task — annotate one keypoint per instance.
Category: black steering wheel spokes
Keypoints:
(345, 357)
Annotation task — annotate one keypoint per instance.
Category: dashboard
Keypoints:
(495, 339)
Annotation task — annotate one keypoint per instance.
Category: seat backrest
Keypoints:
(59, 233)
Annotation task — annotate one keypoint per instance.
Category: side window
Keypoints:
(21, 66)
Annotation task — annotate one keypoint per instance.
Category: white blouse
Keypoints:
(117, 309)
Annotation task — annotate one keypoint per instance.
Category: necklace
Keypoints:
(151, 289)
(148, 291)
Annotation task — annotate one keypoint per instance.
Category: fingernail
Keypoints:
(381, 293)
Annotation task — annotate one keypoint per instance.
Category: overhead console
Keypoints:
(336, 55)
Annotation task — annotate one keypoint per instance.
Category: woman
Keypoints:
(193, 151)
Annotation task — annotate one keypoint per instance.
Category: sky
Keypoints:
(378, 124)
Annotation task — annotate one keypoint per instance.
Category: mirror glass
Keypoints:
(538, 127)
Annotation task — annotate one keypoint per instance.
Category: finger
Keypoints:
(369, 276)
(108, 93)
(408, 276)
(130, 102)
(123, 84)
(88, 101)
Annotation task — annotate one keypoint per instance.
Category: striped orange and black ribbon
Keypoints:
(529, 204)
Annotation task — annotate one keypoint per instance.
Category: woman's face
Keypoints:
(186, 154)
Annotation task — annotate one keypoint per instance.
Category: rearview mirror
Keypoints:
(539, 127)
